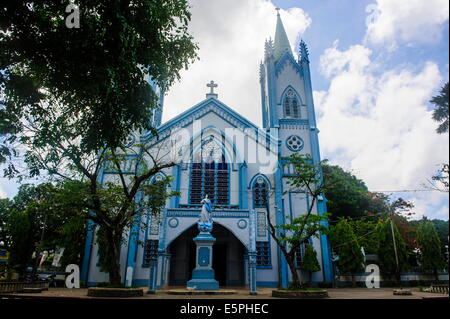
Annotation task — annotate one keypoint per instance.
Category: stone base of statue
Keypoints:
(203, 274)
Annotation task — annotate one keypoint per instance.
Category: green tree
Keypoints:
(25, 221)
(347, 196)
(297, 230)
(441, 112)
(39, 221)
(5, 210)
(70, 97)
(346, 246)
(430, 256)
(440, 181)
(310, 262)
(387, 255)
(23, 241)
(442, 230)
(365, 232)
(96, 75)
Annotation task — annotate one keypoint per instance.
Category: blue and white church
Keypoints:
(239, 167)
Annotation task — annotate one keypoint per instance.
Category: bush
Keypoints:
(325, 284)
(298, 285)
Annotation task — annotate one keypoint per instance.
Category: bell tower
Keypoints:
(288, 113)
(286, 94)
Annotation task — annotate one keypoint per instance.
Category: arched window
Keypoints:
(210, 178)
(291, 105)
(260, 192)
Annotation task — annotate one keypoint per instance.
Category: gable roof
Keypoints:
(223, 111)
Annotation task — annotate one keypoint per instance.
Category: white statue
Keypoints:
(205, 221)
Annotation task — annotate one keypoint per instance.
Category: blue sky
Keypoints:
(346, 20)
(375, 64)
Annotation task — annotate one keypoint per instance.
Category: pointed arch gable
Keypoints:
(229, 148)
(153, 178)
(290, 87)
(287, 57)
(254, 178)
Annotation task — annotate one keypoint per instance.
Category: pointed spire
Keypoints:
(281, 40)
(304, 55)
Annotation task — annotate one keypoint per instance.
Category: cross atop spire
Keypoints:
(212, 85)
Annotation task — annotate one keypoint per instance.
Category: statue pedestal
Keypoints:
(203, 274)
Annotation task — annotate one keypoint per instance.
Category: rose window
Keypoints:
(294, 143)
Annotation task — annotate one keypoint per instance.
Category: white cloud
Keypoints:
(406, 21)
(2, 194)
(231, 37)
(433, 205)
(8, 188)
(377, 124)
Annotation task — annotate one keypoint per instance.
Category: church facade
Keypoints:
(239, 166)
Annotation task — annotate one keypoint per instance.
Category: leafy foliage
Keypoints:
(440, 181)
(310, 263)
(37, 221)
(346, 246)
(386, 252)
(154, 196)
(366, 234)
(303, 225)
(430, 256)
(5, 235)
(95, 76)
(441, 112)
(347, 196)
(70, 97)
(442, 231)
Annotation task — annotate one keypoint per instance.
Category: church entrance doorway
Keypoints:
(228, 258)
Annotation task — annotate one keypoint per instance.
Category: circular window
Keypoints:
(173, 222)
(129, 140)
(242, 223)
(294, 143)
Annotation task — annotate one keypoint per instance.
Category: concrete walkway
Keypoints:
(263, 293)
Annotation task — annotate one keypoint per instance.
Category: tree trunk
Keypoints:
(353, 281)
(436, 276)
(310, 278)
(398, 278)
(114, 238)
(293, 269)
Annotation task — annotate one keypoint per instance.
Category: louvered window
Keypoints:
(260, 193)
(210, 179)
(263, 254)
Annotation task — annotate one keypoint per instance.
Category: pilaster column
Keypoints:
(243, 196)
(87, 251)
(252, 271)
(246, 270)
(152, 255)
(252, 253)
